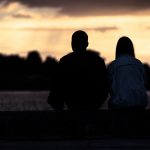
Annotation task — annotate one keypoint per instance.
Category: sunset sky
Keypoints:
(47, 26)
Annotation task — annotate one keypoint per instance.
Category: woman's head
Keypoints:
(124, 46)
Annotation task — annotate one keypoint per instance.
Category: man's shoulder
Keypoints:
(95, 55)
(66, 57)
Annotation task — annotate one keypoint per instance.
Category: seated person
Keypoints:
(126, 78)
(81, 78)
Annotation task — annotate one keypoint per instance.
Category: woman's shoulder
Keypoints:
(126, 59)
(123, 61)
(111, 65)
(138, 61)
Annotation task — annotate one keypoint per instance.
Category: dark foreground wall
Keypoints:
(51, 125)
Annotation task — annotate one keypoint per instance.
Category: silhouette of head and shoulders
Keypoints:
(80, 55)
(82, 76)
(125, 53)
(126, 78)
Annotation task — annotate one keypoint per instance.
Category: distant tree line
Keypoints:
(30, 73)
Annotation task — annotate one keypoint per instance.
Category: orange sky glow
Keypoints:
(45, 29)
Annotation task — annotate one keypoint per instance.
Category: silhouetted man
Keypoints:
(81, 80)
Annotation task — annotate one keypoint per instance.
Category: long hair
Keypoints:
(124, 46)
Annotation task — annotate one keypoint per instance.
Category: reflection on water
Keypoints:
(23, 101)
(30, 101)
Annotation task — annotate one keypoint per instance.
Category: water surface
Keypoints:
(30, 101)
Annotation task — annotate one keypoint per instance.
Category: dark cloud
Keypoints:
(100, 29)
(91, 7)
(105, 29)
(21, 16)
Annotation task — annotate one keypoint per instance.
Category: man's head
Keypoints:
(79, 41)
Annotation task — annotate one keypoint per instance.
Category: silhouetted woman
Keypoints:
(126, 78)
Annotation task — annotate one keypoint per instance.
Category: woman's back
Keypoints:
(126, 78)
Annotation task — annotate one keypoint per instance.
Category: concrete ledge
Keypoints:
(115, 144)
(51, 125)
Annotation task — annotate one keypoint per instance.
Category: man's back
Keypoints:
(83, 80)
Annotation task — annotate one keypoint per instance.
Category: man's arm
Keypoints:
(54, 98)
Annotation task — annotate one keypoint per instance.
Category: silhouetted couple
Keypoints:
(82, 82)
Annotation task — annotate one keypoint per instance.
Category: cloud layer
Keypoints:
(90, 7)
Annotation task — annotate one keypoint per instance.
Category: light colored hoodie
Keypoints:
(126, 80)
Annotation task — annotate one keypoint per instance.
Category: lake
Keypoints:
(30, 101)
(24, 101)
